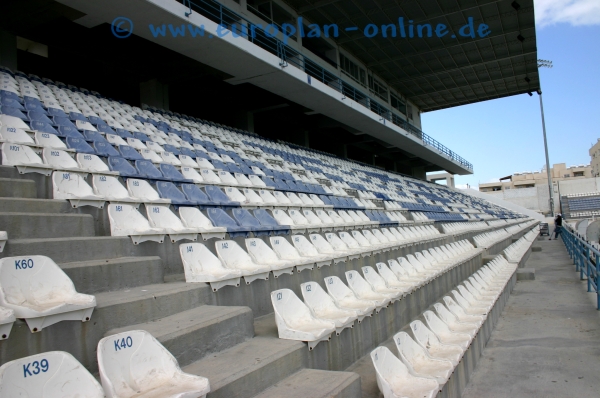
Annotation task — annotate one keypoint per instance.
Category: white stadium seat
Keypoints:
(261, 253)
(233, 256)
(142, 190)
(419, 362)
(161, 217)
(110, 189)
(395, 380)
(39, 291)
(444, 333)
(7, 318)
(201, 265)
(135, 364)
(363, 290)
(325, 248)
(49, 374)
(72, 187)
(346, 299)
(323, 307)
(50, 141)
(432, 343)
(126, 220)
(24, 158)
(15, 135)
(295, 321)
(3, 240)
(93, 164)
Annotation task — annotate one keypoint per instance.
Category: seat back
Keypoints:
(260, 252)
(169, 171)
(235, 195)
(373, 278)
(304, 246)
(16, 154)
(194, 193)
(33, 281)
(192, 217)
(50, 374)
(435, 323)
(387, 367)
(282, 218)
(161, 216)
(284, 249)
(220, 219)
(410, 351)
(134, 362)
(265, 218)
(252, 196)
(290, 308)
(311, 217)
(147, 169)
(141, 189)
(121, 165)
(66, 185)
(109, 187)
(298, 218)
(197, 259)
(216, 194)
(338, 289)
(48, 140)
(281, 198)
(244, 218)
(324, 217)
(232, 254)
(321, 244)
(357, 283)
(59, 159)
(424, 335)
(168, 190)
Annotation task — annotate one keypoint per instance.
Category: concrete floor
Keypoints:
(547, 341)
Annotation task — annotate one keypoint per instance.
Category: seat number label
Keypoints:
(35, 368)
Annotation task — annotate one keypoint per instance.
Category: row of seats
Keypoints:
(515, 252)
(259, 259)
(315, 319)
(427, 359)
(460, 227)
(131, 364)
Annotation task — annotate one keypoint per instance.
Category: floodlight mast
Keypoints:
(546, 64)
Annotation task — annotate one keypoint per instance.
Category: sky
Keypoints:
(504, 136)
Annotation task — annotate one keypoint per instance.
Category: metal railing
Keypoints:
(586, 259)
(245, 28)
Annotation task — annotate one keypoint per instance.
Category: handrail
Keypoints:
(586, 259)
(222, 15)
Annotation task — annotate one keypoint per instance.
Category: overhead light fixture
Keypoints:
(528, 80)
(520, 38)
(539, 91)
(515, 5)
(531, 95)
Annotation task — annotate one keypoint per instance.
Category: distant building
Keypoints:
(529, 179)
(595, 156)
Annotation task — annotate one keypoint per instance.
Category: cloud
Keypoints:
(574, 12)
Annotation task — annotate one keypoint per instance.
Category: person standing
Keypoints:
(557, 226)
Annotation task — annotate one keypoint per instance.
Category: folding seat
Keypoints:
(39, 291)
(15, 135)
(444, 333)
(233, 256)
(434, 346)
(394, 379)
(295, 321)
(419, 362)
(7, 319)
(134, 363)
(24, 158)
(72, 187)
(262, 254)
(347, 299)
(57, 374)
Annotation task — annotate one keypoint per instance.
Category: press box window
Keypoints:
(353, 70)
(378, 88)
(398, 104)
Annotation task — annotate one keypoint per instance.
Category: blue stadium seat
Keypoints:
(171, 173)
(116, 163)
(69, 131)
(216, 195)
(247, 220)
(96, 121)
(147, 170)
(80, 145)
(63, 121)
(267, 220)
(94, 136)
(172, 149)
(194, 194)
(221, 219)
(11, 102)
(141, 136)
(168, 190)
(14, 112)
(77, 116)
(129, 153)
(123, 133)
(43, 128)
(35, 107)
(52, 112)
(104, 149)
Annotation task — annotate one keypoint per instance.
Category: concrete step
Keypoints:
(105, 275)
(31, 205)
(17, 188)
(42, 184)
(46, 225)
(316, 384)
(196, 333)
(251, 367)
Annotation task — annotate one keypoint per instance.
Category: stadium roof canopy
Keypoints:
(436, 73)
